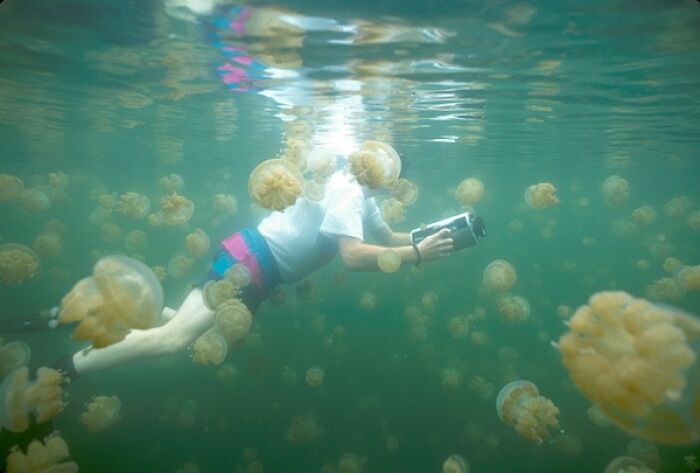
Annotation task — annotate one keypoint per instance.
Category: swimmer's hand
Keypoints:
(437, 245)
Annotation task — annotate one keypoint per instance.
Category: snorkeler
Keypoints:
(285, 247)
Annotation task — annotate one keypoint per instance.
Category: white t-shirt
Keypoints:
(302, 238)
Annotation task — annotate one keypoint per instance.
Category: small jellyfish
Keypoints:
(295, 152)
(458, 326)
(405, 192)
(315, 376)
(48, 244)
(389, 260)
(303, 429)
(499, 276)
(135, 241)
(320, 162)
(35, 200)
(48, 456)
(616, 191)
(20, 397)
(644, 215)
(351, 463)
(275, 184)
(678, 207)
(12, 356)
(209, 349)
(451, 378)
(623, 464)
(171, 183)
(101, 413)
(688, 277)
(375, 165)
(644, 451)
(469, 191)
(665, 289)
(17, 263)
(455, 464)
(225, 204)
(314, 190)
(520, 404)
(226, 374)
(197, 243)
(634, 360)
(176, 209)
(368, 301)
(121, 294)
(180, 265)
(233, 319)
(216, 293)
(238, 274)
(479, 338)
(133, 205)
(512, 308)
(541, 196)
(11, 187)
(393, 211)
(694, 220)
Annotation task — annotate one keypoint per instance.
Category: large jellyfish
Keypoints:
(616, 191)
(469, 191)
(375, 165)
(499, 275)
(48, 456)
(637, 362)
(176, 209)
(209, 349)
(20, 397)
(541, 196)
(275, 184)
(133, 205)
(233, 319)
(455, 464)
(121, 294)
(389, 260)
(12, 356)
(11, 187)
(197, 243)
(519, 404)
(101, 413)
(17, 263)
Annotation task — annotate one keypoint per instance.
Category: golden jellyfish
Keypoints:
(512, 308)
(121, 294)
(233, 319)
(275, 184)
(564, 311)
(238, 274)
(458, 326)
(176, 209)
(13, 355)
(671, 265)
(101, 413)
(688, 277)
(520, 404)
(133, 205)
(451, 378)
(11, 187)
(314, 190)
(197, 243)
(226, 373)
(17, 263)
(315, 376)
(389, 260)
(637, 362)
(303, 429)
(225, 204)
(598, 417)
(499, 276)
(393, 211)
(479, 338)
(625, 464)
(48, 244)
(694, 220)
(155, 220)
(616, 191)
(20, 397)
(469, 191)
(216, 293)
(405, 192)
(180, 265)
(295, 152)
(678, 207)
(110, 232)
(160, 272)
(644, 215)
(48, 456)
(209, 349)
(665, 289)
(455, 464)
(171, 183)
(482, 386)
(320, 162)
(368, 301)
(35, 200)
(541, 196)
(351, 463)
(135, 241)
(375, 165)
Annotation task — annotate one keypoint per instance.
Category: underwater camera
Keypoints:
(467, 230)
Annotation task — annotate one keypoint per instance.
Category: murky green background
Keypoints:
(119, 94)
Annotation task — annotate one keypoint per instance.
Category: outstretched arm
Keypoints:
(387, 237)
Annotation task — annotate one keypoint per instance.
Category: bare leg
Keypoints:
(191, 320)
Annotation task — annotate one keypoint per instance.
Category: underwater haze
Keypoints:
(107, 108)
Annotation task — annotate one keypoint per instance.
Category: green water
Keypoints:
(118, 95)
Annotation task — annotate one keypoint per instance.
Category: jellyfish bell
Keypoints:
(405, 191)
(35, 200)
(121, 294)
(176, 209)
(21, 398)
(393, 210)
(17, 263)
(133, 205)
(624, 464)
(180, 265)
(225, 204)
(171, 183)
(513, 308)
(314, 190)
(197, 243)
(215, 293)
(48, 456)
(238, 274)
(48, 244)
(11, 187)
(209, 349)
(389, 261)
(616, 191)
(13, 355)
(499, 276)
(455, 464)
(637, 362)
(469, 191)
(101, 413)
(541, 196)
(315, 376)
(375, 165)
(520, 404)
(320, 162)
(233, 320)
(275, 184)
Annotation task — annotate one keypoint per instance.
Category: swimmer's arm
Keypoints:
(360, 256)
(387, 237)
